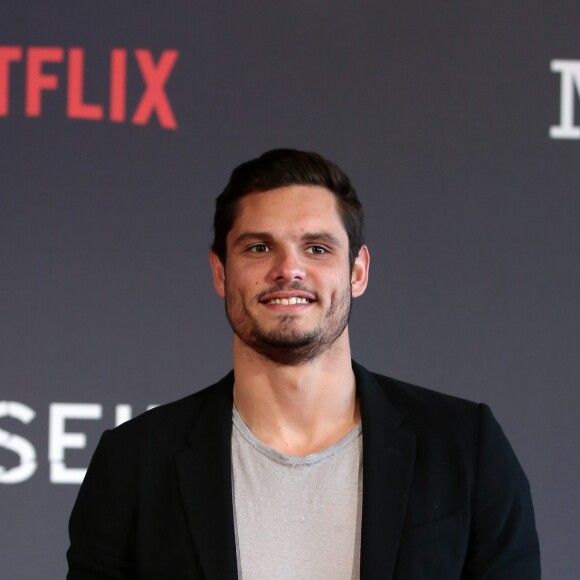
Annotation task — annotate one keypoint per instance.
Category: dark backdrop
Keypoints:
(440, 112)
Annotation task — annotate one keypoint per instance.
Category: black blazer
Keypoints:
(444, 496)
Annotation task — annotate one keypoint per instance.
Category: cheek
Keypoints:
(335, 289)
(242, 282)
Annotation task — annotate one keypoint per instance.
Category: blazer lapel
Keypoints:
(205, 481)
(388, 462)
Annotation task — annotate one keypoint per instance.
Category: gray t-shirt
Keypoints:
(297, 517)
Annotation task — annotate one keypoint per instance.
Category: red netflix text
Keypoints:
(70, 77)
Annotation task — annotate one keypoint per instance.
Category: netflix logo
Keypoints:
(47, 69)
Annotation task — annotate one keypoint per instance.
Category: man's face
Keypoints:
(287, 283)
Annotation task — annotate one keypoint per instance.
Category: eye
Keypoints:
(259, 248)
(316, 250)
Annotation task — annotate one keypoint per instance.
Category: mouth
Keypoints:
(287, 301)
(288, 298)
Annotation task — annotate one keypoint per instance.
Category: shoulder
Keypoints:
(420, 408)
(443, 424)
(405, 394)
(168, 425)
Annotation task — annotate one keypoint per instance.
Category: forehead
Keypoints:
(295, 206)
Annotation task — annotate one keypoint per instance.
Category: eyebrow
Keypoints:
(248, 236)
(323, 237)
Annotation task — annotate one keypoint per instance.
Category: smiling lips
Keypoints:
(288, 298)
(286, 301)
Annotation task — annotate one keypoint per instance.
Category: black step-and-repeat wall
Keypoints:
(459, 123)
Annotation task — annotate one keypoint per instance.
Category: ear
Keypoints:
(219, 274)
(359, 277)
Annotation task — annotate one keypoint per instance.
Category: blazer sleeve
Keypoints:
(101, 519)
(503, 543)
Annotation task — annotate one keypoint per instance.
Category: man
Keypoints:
(301, 464)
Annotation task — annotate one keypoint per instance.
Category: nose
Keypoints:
(287, 266)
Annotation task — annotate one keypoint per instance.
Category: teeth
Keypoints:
(287, 301)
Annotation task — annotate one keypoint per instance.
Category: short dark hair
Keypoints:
(280, 168)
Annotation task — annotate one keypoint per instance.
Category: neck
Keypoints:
(297, 409)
